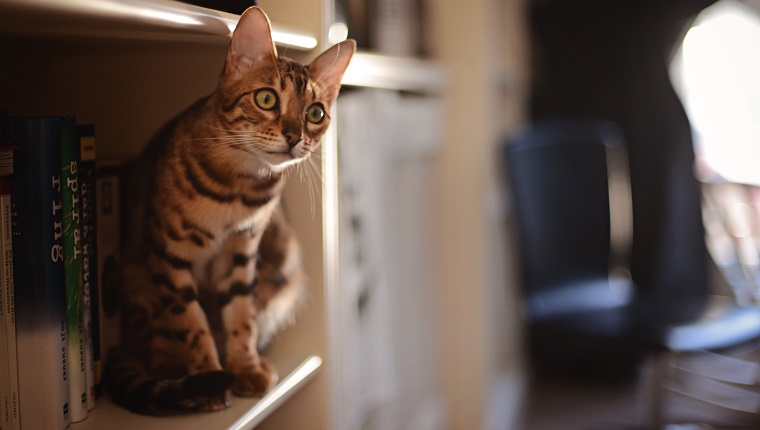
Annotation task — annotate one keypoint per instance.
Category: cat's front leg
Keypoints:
(166, 331)
(184, 319)
(254, 376)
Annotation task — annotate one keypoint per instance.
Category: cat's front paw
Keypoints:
(217, 403)
(206, 392)
(254, 381)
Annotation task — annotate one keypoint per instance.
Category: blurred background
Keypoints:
(441, 329)
(438, 325)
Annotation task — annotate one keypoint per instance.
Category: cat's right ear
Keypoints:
(251, 42)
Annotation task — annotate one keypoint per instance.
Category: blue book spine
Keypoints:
(38, 271)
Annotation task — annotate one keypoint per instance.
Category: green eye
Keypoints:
(315, 114)
(266, 99)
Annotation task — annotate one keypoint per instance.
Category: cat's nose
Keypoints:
(292, 136)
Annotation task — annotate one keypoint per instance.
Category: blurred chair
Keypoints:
(571, 196)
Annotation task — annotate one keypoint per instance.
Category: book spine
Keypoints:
(41, 334)
(395, 27)
(108, 218)
(5, 386)
(72, 269)
(89, 259)
(6, 247)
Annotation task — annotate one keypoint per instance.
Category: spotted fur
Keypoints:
(210, 268)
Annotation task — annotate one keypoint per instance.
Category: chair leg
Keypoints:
(651, 391)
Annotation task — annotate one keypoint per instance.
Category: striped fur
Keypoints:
(210, 269)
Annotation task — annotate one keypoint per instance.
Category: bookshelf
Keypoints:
(244, 414)
(130, 66)
(133, 20)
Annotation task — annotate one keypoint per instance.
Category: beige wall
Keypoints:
(481, 49)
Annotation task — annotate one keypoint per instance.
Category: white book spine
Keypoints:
(5, 387)
(9, 310)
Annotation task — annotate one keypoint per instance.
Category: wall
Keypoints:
(481, 47)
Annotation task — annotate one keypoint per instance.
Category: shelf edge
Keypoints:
(279, 394)
(394, 73)
(136, 19)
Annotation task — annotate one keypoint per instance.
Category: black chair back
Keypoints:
(561, 180)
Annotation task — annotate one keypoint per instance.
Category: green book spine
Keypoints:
(89, 258)
(72, 269)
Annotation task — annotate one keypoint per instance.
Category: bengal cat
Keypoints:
(210, 268)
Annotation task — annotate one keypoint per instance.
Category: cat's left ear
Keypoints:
(251, 42)
(329, 67)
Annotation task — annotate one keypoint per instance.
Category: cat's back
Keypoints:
(141, 175)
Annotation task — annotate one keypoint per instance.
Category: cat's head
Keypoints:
(277, 109)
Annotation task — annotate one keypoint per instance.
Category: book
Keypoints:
(108, 236)
(6, 271)
(7, 306)
(72, 268)
(5, 390)
(37, 217)
(5, 385)
(89, 258)
(6, 280)
(395, 27)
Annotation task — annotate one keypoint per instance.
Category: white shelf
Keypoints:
(134, 19)
(394, 73)
(244, 414)
(172, 20)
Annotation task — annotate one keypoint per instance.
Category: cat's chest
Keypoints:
(218, 200)
(226, 218)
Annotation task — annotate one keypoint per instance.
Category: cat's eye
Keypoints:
(266, 99)
(315, 114)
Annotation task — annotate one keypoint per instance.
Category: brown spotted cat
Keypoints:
(210, 268)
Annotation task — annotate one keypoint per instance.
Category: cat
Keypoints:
(209, 267)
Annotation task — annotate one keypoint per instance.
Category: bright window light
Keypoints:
(338, 33)
(718, 74)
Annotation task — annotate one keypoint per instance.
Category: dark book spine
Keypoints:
(89, 259)
(38, 271)
(108, 217)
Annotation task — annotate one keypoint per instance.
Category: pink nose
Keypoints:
(292, 137)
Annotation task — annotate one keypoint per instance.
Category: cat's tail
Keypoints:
(131, 388)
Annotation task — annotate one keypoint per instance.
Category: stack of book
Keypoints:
(50, 314)
(389, 27)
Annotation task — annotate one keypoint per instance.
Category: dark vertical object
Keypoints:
(609, 60)
(577, 308)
